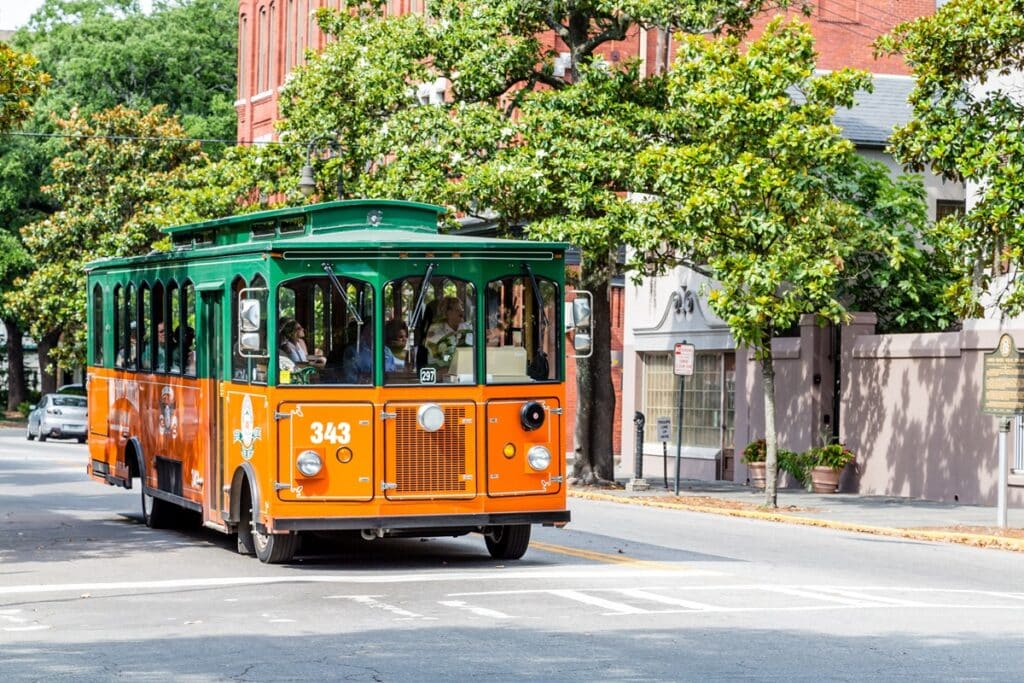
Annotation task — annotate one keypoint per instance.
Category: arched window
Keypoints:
(273, 48)
(262, 50)
(244, 67)
(132, 315)
(172, 318)
(97, 325)
(289, 36)
(119, 326)
(146, 336)
(187, 338)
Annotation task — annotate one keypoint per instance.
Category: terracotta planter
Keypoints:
(756, 472)
(825, 479)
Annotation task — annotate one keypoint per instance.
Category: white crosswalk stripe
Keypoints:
(479, 611)
(614, 607)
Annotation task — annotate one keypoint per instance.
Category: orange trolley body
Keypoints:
(458, 428)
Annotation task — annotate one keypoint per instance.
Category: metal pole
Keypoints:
(679, 440)
(664, 462)
(1004, 429)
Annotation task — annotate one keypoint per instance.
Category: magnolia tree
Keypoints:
(968, 106)
(115, 163)
(748, 182)
(518, 134)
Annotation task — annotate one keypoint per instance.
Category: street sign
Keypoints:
(664, 428)
(684, 359)
(1002, 391)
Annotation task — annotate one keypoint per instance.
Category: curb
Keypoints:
(976, 540)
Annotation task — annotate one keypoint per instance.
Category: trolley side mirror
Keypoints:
(252, 325)
(578, 323)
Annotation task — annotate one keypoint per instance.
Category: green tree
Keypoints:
(105, 53)
(968, 110)
(21, 82)
(750, 185)
(493, 59)
(116, 163)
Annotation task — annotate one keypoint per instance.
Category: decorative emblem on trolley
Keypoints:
(249, 432)
(168, 420)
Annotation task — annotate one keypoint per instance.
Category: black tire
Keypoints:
(274, 548)
(42, 436)
(246, 546)
(81, 439)
(508, 542)
(156, 512)
(28, 433)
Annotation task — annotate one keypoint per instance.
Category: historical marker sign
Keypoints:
(1002, 390)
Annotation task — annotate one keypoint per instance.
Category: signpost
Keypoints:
(664, 435)
(1002, 394)
(684, 355)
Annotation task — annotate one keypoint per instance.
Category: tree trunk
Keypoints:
(17, 392)
(594, 461)
(771, 439)
(47, 370)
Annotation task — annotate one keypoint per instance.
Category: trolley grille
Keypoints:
(430, 462)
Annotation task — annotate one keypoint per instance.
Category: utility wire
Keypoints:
(234, 143)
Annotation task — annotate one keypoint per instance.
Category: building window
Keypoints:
(244, 68)
(949, 207)
(703, 403)
(262, 49)
(273, 78)
(289, 36)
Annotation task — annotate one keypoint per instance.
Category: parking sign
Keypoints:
(684, 359)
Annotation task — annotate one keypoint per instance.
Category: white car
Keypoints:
(62, 416)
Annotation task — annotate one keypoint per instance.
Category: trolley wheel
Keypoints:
(245, 540)
(274, 548)
(508, 542)
(156, 512)
(28, 433)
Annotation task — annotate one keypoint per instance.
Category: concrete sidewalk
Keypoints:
(881, 515)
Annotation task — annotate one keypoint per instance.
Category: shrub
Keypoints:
(755, 451)
(797, 464)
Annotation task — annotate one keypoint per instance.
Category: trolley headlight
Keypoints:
(309, 463)
(430, 417)
(539, 457)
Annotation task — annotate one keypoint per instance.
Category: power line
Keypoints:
(148, 138)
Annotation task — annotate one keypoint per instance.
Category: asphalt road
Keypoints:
(625, 593)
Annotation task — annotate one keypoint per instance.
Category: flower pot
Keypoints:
(756, 472)
(825, 479)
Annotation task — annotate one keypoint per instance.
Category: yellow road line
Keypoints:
(602, 557)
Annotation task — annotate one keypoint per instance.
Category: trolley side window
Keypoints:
(325, 331)
(97, 325)
(249, 329)
(522, 342)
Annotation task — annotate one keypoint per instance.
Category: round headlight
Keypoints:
(531, 416)
(430, 417)
(539, 457)
(309, 463)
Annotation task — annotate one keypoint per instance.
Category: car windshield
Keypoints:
(69, 401)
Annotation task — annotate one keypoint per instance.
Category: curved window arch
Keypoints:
(97, 325)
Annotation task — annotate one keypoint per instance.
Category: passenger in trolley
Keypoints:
(449, 331)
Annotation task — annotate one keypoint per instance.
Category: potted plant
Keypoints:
(798, 465)
(754, 456)
(829, 461)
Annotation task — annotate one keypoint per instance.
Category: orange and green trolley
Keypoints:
(339, 366)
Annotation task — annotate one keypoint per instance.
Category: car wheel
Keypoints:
(28, 433)
(42, 435)
(81, 439)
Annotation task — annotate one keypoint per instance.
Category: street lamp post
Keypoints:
(307, 181)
